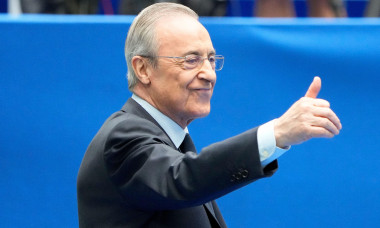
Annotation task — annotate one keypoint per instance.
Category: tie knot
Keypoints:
(187, 145)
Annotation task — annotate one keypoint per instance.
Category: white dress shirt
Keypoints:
(265, 134)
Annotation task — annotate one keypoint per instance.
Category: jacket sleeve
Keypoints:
(152, 175)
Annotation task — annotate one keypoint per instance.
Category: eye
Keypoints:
(192, 59)
(211, 59)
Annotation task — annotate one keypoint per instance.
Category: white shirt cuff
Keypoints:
(267, 144)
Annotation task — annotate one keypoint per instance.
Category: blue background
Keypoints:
(62, 76)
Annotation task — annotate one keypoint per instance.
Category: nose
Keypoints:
(206, 72)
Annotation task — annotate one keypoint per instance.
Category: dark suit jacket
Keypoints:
(133, 176)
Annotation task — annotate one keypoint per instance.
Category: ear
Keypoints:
(142, 69)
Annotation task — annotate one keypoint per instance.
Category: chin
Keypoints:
(202, 112)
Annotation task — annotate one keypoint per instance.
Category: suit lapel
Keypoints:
(210, 211)
(131, 106)
(218, 215)
(210, 208)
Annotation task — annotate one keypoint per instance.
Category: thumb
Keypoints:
(314, 88)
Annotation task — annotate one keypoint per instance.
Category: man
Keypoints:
(141, 169)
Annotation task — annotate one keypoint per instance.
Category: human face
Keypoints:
(180, 93)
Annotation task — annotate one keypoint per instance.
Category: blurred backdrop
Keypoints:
(245, 8)
(61, 76)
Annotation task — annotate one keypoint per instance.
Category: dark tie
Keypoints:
(187, 145)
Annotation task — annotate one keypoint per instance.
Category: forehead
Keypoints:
(181, 34)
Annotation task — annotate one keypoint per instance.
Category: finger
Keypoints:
(320, 132)
(321, 103)
(314, 88)
(326, 124)
(315, 102)
(329, 114)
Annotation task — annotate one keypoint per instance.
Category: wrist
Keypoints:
(279, 136)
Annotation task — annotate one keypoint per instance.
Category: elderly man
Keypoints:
(142, 170)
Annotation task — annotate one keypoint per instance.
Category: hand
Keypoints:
(307, 118)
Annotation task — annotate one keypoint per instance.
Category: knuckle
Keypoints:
(303, 99)
(329, 114)
(305, 106)
(324, 103)
(329, 134)
(325, 122)
(327, 103)
(321, 133)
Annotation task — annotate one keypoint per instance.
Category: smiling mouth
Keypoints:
(204, 92)
(203, 89)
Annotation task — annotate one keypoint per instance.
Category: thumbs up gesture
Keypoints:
(309, 117)
(314, 88)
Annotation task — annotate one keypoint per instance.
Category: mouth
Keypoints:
(203, 89)
(204, 93)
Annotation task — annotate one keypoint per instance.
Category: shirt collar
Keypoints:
(175, 132)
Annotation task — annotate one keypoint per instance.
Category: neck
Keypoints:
(143, 94)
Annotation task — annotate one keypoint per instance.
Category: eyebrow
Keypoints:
(198, 53)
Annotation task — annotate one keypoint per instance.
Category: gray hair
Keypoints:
(141, 39)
